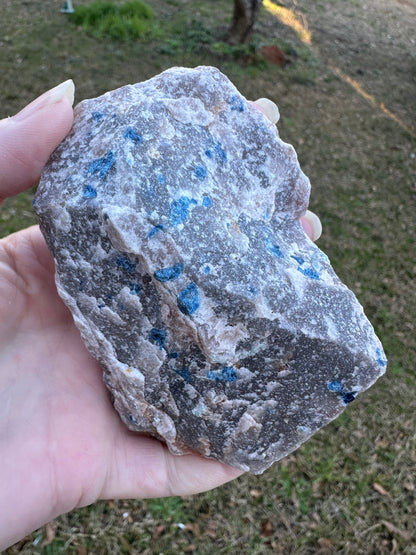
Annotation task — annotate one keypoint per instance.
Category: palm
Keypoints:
(62, 420)
(50, 375)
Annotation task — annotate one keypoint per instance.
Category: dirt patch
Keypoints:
(374, 44)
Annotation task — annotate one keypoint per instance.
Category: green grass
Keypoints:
(17, 213)
(362, 173)
(103, 19)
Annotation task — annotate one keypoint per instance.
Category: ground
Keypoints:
(347, 105)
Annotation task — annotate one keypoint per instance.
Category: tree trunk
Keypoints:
(244, 17)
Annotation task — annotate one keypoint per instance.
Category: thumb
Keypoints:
(29, 138)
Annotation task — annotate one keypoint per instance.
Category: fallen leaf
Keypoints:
(316, 517)
(409, 486)
(382, 443)
(286, 522)
(255, 493)
(274, 55)
(50, 534)
(326, 546)
(158, 531)
(316, 487)
(211, 529)
(379, 488)
(194, 528)
(407, 536)
(295, 499)
(267, 528)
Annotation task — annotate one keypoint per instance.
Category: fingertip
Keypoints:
(312, 225)
(65, 90)
(196, 474)
(269, 109)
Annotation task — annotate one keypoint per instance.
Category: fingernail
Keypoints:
(63, 90)
(314, 225)
(269, 108)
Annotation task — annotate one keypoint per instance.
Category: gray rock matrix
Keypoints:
(172, 212)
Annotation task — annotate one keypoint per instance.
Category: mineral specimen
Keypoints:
(173, 211)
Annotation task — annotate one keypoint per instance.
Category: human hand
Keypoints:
(62, 444)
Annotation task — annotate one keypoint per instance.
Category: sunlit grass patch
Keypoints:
(103, 19)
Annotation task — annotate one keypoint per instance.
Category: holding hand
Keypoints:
(62, 444)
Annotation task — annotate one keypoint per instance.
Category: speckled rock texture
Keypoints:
(172, 212)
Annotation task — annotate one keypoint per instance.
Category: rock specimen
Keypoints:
(172, 211)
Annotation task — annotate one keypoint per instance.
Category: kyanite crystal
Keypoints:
(172, 211)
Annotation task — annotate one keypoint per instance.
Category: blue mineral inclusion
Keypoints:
(185, 374)
(188, 299)
(237, 103)
(207, 270)
(167, 274)
(102, 165)
(89, 192)
(348, 396)
(274, 249)
(222, 155)
(380, 360)
(158, 336)
(217, 152)
(131, 134)
(134, 288)
(125, 263)
(161, 179)
(179, 210)
(309, 272)
(155, 229)
(337, 387)
(298, 259)
(226, 374)
(253, 290)
(200, 172)
(229, 374)
(206, 201)
(173, 354)
(97, 116)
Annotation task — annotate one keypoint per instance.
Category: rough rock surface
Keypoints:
(172, 211)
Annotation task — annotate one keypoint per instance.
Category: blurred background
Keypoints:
(343, 73)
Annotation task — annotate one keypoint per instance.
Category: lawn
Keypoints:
(347, 105)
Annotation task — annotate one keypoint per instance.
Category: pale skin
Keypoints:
(62, 444)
